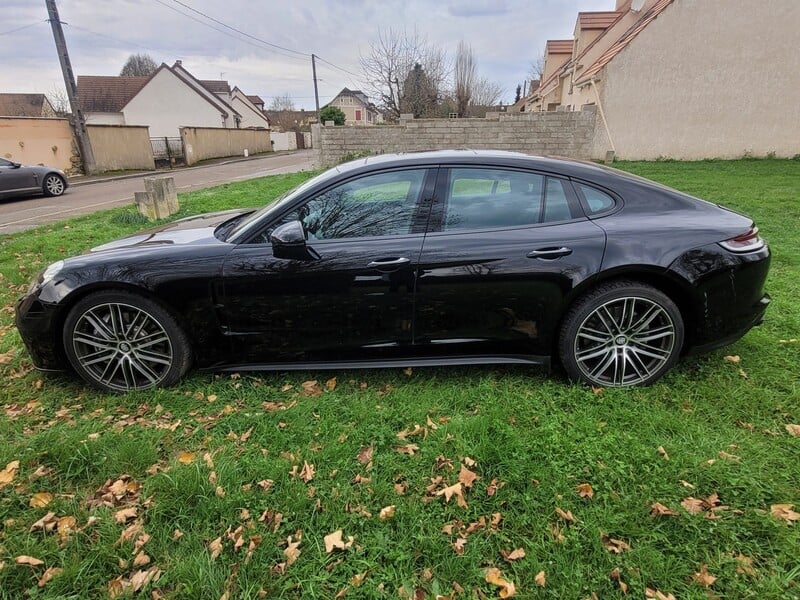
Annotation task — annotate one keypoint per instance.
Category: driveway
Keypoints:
(89, 196)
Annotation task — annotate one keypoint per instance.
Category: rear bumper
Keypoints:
(746, 325)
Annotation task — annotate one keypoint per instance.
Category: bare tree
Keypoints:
(139, 65)
(59, 101)
(283, 102)
(390, 60)
(486, 93)
(536, 68)
(464, 77)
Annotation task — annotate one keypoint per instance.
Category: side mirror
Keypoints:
(289, 241)
(15, 165)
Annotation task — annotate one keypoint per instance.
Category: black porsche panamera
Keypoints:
(436, 258)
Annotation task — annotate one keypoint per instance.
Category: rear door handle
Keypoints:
(388, 264)
(550, 253)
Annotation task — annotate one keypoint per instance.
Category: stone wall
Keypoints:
(551, 133)
(201, 143)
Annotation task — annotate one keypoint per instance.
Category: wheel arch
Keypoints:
(678, 290)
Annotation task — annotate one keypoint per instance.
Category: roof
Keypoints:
(216, 86)
(101, 93)
(626, 38)
(255, 99)
(22, 105)
(193, 82)
(597, 20)
(559, 47)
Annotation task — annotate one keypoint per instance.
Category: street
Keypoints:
(84, 198)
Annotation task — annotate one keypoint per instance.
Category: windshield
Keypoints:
(250, 223)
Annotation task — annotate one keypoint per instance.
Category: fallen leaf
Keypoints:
(467, 477)
(28, 560)
(659, 510)
(387, 512)
(458, 545)
(141, 559)
(307, 473)
(358, 578)
(585, 490)
(125, 515)
(703, 577)
(365, 454)
(613, 545)
(311, 388)
(566, 515)
(48, 575)
(663, 452)
(186, 458)
(453, 490)
(686, 484)
(176, 535)
(334, 541)
(657, 595)
(409, 449)
(615, 576)
(7, 475)
(793, 430)
(784, 512)
(725, 456)
(46, 523)
(734, 360)
(216, 548)
(40, 499)
(540, 579)
(495, 577)
(408, 371)
(291, 552)
(515, 554)
(744, 565)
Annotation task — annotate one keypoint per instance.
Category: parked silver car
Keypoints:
(23, 180)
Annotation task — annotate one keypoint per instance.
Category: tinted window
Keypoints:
(376, 205)
(4, 163)
(480, 198)
(596, 201)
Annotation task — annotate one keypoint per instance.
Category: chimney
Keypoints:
(179, 63)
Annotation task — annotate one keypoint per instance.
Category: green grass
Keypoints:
(536, 437)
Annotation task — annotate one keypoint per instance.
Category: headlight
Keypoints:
(46, 275)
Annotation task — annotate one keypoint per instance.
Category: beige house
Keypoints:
(165, 101)
(686, 79)
(357, 108)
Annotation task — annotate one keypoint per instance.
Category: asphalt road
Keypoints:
(87, 197)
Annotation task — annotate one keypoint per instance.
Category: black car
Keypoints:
(30, 180)
(436, 258)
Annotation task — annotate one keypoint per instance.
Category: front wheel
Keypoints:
(119, 341)
(621, 334)
(53, 185)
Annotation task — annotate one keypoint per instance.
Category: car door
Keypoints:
(15, 179)
(504, 249)
(351, 295)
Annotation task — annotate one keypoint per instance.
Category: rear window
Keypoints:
(596, 201)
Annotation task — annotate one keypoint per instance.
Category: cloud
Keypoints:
(478, 8)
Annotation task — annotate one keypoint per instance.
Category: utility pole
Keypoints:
(81, 133)
(316, 92)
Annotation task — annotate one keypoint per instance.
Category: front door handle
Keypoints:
(388, 264)
(550, 253)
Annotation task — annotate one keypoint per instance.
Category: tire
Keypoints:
(120, 341)
(53, 185)
(621, 334)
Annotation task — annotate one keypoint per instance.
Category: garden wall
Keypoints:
(201, 143)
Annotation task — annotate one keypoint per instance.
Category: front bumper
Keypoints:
(38, 326)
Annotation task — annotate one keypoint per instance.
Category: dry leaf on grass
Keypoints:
(663, 452)
(566, 515)
(540, 579)
(409, 449)
(125, 515)
(292, 551)
(585, 490)
(495, 577)
(133, 583)
(516, 554)
(365, 455)
(48, 575)
(40, 500)
(387, 512)
(793, 430)
(334, 541)
(467, 477)
(703, 577)
(784, 512)
(308, 472)
(186, 458)
(734, 360)
(29, 561)
(453, 490)
(744, 565)
(311, 388)
(615, 576)
(657, 594)
(7, 475)
(613, 545)
(659, 510)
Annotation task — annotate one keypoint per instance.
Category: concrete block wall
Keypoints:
(551, 133)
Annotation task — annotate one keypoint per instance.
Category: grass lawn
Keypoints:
(454, 483)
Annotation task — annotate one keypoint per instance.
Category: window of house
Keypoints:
(482, 198)
(358, 115)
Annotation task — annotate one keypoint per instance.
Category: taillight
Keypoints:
(746, 242)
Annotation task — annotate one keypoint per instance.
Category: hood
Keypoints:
(198, 229)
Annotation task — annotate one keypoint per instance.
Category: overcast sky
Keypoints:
(504, 34)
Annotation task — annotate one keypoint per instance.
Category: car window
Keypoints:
(375, 205)
(4, 162)
(596, 201)
(479, 198)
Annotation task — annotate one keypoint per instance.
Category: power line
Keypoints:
(239, 31)
(108, 37)
(10, 31)
(222, 31)
(327, 62)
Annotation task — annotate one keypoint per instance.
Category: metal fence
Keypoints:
(167, 150)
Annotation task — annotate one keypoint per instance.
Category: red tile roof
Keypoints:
(626, 38)
(597, 20)
(101, 93)
(558, 47)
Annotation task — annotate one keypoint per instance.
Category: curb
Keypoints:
(156, 172)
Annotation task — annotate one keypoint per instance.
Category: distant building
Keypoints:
(357, 108)
(26, 105)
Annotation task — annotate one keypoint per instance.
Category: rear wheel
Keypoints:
(621, 334)
(119, 341)
(53, 185)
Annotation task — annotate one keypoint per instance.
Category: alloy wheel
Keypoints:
(122, 347)
(624, 342)
(54, 185)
